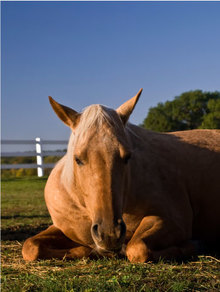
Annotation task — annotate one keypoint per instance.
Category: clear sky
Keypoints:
(82, 53)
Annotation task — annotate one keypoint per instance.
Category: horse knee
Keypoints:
(137, 252)
(31, 249)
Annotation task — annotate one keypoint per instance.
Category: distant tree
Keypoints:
(190, 110)
(212, 119)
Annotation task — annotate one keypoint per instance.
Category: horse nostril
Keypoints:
(120, 229)
(95, 231)
(123, 228)
(109, 236)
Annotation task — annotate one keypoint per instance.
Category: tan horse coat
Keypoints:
(121, 189)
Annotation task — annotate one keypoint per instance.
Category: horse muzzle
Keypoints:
(109, 238)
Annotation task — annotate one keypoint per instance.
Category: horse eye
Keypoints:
(78, 161)
(127, 158)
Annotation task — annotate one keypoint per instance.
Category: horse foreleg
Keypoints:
(155, 239)
(52, 243)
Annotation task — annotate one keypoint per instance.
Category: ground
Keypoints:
(24, 213)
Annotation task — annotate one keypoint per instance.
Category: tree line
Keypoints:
(190, 110)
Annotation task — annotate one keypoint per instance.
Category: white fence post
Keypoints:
(39, 156)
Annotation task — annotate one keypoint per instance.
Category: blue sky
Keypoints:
(82, 53)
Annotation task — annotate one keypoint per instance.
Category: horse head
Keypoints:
(99, 154)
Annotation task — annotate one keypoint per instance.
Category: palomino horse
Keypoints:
(121, 189)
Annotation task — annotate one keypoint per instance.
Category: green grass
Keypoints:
(23, 203)
(24, 213)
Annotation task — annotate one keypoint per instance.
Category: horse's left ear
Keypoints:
(67, 115)
(125, 110)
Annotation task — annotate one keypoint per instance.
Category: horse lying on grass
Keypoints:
(121, 189)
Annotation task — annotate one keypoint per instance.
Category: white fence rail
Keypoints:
(39, 153)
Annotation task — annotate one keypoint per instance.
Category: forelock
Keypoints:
(94, 116)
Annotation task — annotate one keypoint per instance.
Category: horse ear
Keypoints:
(125, 110)
(67, 115)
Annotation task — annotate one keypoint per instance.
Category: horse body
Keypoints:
(182, 170)
(123, 189)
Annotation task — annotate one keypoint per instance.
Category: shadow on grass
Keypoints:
(22, 232)
(34, 178)
(25, 216)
